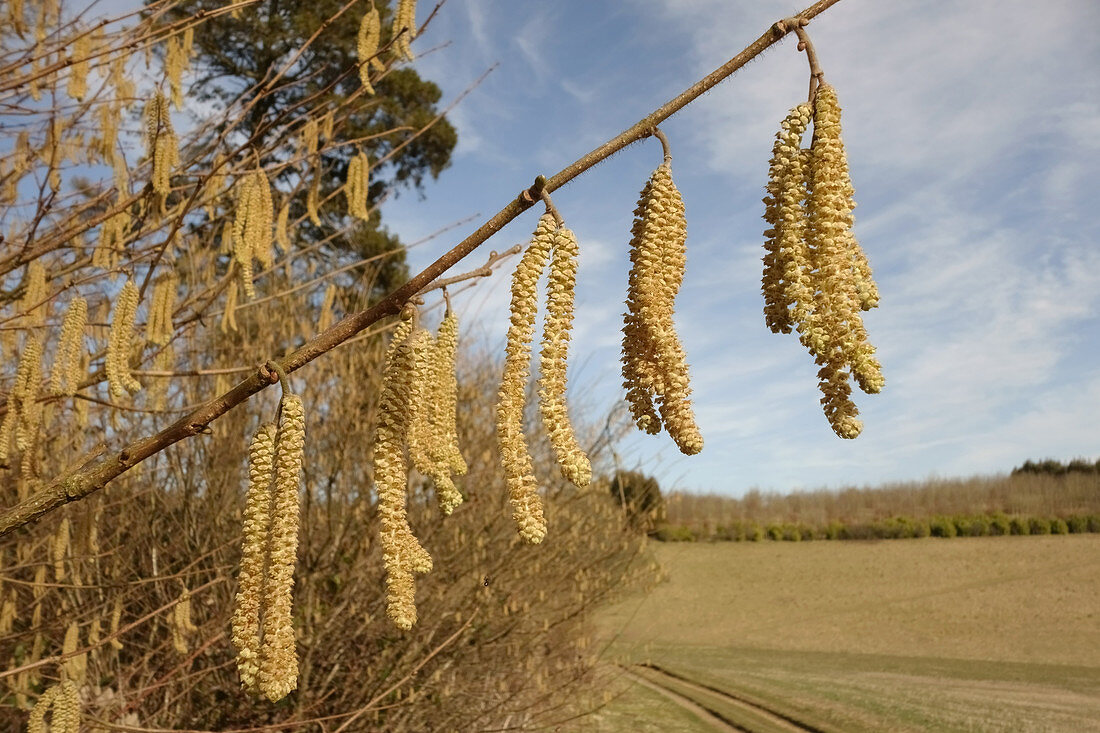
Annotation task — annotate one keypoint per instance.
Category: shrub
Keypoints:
(1039, 525)
(1094, 523)
(792, 533)
(1059, 526)
(1000, 525)
(833, 530)
(1078, 524)
(1020, 526)
(755, 533)
(675, 533)
(942, 527)
(775, 532)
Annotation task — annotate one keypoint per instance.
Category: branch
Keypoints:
(89, 479)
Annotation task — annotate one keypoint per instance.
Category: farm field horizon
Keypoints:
(986, 633)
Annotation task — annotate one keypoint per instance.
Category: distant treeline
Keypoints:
(1042, 500)
(1051, 467)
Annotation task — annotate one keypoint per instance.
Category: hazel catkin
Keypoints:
(278, 673)
(65, 374)
(370, 32)
(118, 346)
(402, 554)
(250, 577)
(515, 457)
(655, 370)
(575, 466)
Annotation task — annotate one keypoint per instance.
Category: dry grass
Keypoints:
(972, 634)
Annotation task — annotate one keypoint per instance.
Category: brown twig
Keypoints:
(484, 271)
(85, 481)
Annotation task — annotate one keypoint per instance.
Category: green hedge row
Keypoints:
(990, 525)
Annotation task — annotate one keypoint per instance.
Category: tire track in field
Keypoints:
(778, 719)
(705, 714)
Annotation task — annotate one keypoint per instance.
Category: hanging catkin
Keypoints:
(515, 457)
(655, 371)
(370, 32)
(65, 375)
(431, 442)
(161, 144)
(118, 345)
(404, 18)
(78, 71)
(816, 276)
(252, 227)
(62, 701)
(357, 185)
(158, 327)
(21, 419)
(250, 577)
(278, 673)
(575, 466)
(182, 626)
(402, 554)
(447, 455)
(33, 305)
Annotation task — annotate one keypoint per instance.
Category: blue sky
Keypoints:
(972, 132)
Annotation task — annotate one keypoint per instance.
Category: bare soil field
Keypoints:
(975, 634)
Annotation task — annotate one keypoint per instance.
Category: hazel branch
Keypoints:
(78, 484)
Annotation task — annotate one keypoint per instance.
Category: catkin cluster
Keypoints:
(161, 143)
(158, 326)
(62, 701)
(263, 630)
(654, 366)
(177, 57)
(514, 453)
(432, 434)
(357, 185)
(402, 554)
(24, 411)
(118, 345)
(252, 226)
(405, 17)
(65, 374)
(816, 276)
(370, 33)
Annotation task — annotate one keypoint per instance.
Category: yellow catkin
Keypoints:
(313, 202)
(116, 619)
(250, 578)
(252, 227)
(278, 673)
(575, 466)
(33, 304)
(833, 331)
(176, 60)
(655, 371)
(7, 614)
(24, 410)
(158, 327)
(426, 437)
(515, 456)
(324, 320)
(402, 554)
(65, 374)
(356, 186)
(229, 314)
(78, 71)
(118, 346)
(787, 269)
(59, 548)
(161, 144)
(370, 32)
(446, 456)
(75, 667)
(405, 17)
(282, 230)
(36, 721)
(182, 627)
